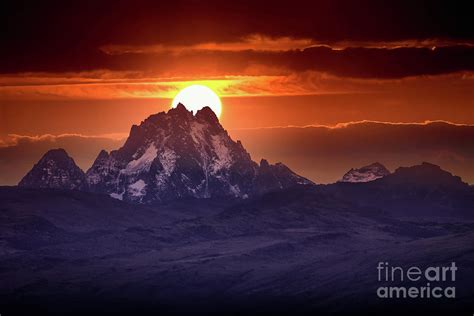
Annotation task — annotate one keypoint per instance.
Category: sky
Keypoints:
(323, 86)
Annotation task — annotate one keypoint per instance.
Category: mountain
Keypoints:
(366, 174)
(55, 170)
(422, 191)
(426, 175)
(177, 155)
(276, 177)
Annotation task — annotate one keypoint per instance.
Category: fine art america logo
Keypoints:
(416, 282)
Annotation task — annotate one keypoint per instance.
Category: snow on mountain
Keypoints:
(224, 158)
(143, 163)
(137, 189)
(177, 154)
(55, 170)
(366, 174)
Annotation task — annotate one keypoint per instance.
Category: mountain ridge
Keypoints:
(421, 191)
(175, 154)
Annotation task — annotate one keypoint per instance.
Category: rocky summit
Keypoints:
(173, 155)
(55, 170)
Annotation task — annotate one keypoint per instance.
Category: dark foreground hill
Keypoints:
(302, 251)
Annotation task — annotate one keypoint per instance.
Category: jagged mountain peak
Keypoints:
(56, 169)
(103, 154)
(180, 111)
(177, 154)
(264, 163)
(208, 115)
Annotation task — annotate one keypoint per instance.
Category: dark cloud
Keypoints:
(390, 63)
(356, 62)
(67, 36)
(147, 22)
(376, 62)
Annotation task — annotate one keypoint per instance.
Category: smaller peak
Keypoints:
(367, 173)
(103, 154)
(264, 163)
(134, 128)
(56, 169)
(180, 110)
(430, 165)
(155, 118)
(207, 114)
(59, 155)
(181, 107)
(56, 153)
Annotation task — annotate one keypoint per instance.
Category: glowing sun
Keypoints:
(196, 97)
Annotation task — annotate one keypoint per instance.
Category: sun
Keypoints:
(196, 97)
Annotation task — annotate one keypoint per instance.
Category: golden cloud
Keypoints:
(256, 42)
(125, 85)
(263, 43)
(15, 139)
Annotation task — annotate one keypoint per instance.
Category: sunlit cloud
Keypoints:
(125, 85)
(15, 139)
(264, 43)
(117, 89)
(256, 42)
(431, 43)
(112, 85)
(358, 123)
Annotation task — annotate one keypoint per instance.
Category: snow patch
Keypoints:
(224, 158)
(168, 161)
(143, 163)
(117, 196)
(235, 190)
(197, 132)
(366, 174)
(137, 189)
(361, 177)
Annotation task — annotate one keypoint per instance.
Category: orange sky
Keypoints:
(248, 102)
(94, 70)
